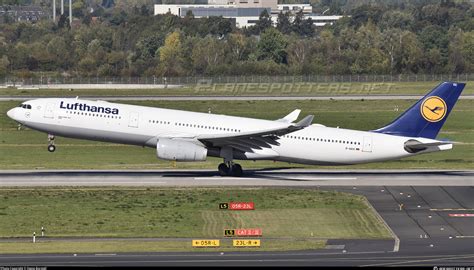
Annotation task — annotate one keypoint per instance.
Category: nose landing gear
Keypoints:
(51, 146)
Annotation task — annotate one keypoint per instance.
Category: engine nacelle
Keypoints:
(180, 150)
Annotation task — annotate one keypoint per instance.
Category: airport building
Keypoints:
(244, 12)
(28, 13)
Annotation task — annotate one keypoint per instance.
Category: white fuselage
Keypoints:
(140, 125)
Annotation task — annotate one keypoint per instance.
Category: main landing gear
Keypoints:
(230, 169)
(51, 146)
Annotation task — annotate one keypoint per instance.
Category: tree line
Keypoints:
(396, 37)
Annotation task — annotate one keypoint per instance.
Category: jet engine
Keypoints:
(180, 150)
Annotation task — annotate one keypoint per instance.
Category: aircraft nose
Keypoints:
(11, 113)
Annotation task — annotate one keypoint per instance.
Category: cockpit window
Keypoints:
(26, 106)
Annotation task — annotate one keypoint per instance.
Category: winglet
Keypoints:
(290, 117)
(305, 121)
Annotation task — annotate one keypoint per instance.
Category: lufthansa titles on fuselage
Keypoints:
(88, 108)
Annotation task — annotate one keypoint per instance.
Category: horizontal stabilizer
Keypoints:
(305, 121)
(414, 146)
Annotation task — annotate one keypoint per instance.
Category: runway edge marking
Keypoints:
(396, 247)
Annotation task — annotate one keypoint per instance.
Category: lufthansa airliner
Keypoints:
(192, 136)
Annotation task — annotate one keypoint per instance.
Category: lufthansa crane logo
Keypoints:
(433, 109)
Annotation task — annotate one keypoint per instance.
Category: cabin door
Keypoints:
(49, 111)
(367, 144)
(133, 122)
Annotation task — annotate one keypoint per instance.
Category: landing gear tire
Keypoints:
(51, 148)
(223, 169)
(236, 170)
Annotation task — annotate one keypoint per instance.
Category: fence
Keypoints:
(44, 80)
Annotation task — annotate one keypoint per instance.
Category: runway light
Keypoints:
(418, 206)
(431, 245)
(442, 228)
(344, 251)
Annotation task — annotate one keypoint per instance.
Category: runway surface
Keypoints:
(425, 209)
(178, 98)
(262, 177)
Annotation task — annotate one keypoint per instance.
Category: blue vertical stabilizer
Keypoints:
(426, 117)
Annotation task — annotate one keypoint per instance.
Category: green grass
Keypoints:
(172, 212)
(249, 89)
(141, 246)
(26, 149)
(290, 219)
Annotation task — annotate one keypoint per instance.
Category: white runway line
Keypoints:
(81, 182)
(279, 178)
(323, 178)
(228, 178)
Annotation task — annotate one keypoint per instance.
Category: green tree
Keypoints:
(87, 66)
(411, 54)
(264, 22)
(283, 22)
(171, 55)
(63, 22)
(467, 51)
(146, 47)
(456, 62)
(272, 45)
(397, 19)
(307, 28)
(239, 46)
(363, 13)
(433, 61)
(4, 63)
(78, 8)
(58, 50)
(298, 53)
(434, 36)
(219, 26)
(208, 52)
(297, 24)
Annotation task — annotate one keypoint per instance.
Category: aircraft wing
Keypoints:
(247, 141)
